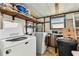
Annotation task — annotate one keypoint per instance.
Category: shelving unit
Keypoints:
(16, 14)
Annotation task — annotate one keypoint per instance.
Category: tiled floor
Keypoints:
(50, 52)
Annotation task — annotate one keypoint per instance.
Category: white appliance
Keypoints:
(19, 46)
(40, 42)
(13, 42)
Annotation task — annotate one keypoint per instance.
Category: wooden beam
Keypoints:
(11, 12)
(34, 16)
(44, 24)
(26, 26)
(50, 22)
(33, 27)
(60, 14)
(1, 21)
(56, 8)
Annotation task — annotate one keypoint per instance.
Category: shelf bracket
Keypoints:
(13, 17)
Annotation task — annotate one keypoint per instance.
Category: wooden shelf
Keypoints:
(11, 12)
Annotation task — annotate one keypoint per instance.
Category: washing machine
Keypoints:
(14, 42)
(40, 42)
(18, 46)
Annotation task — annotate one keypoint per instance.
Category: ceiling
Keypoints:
(46, 9)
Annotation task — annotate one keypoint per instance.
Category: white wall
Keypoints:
(4, 33)
(22, 22)
(17, 20)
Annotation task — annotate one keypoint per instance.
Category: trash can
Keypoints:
(66, 46)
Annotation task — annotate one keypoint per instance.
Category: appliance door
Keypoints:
(27, 48)
(44, 43)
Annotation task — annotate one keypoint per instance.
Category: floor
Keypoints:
(50, 52)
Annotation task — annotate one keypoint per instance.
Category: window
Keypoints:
(57, 22)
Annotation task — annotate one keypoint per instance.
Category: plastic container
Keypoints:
(21, 8)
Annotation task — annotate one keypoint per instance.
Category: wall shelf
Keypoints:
(11, 12)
